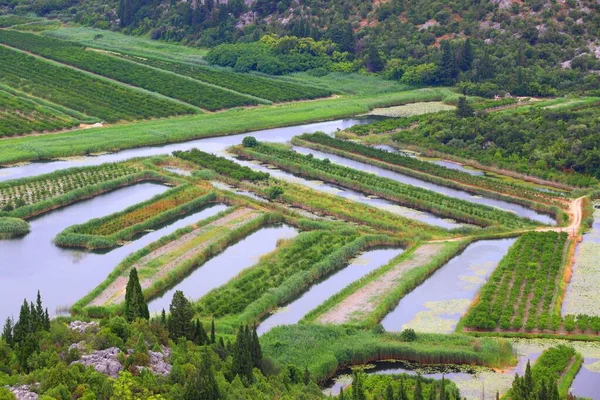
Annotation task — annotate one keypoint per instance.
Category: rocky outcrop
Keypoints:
(23, 392)
(103, 361)
(158, 361)
(81, 327)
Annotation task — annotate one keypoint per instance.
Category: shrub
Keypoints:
(249, 141)
(13, 227)
(408, 335)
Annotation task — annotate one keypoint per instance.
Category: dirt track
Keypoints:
(366, 299)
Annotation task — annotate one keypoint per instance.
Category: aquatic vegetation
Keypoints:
(432, 320)
(12, 227)
(413, 109)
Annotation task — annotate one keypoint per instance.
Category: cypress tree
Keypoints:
(463, 109)
(358, 392)
(341, 394)
(255, 350)
(528, 384)
(200, 336)
(23, 326)
(46, 320)
(306, 377)
(389, 392)
(402, 395)
(466, 59)
(212, 331)
(443, 388)
(7, 332)
(242, 359)
(135, 304)
(418, 395)
(209, 388)
(163, 318)
(447, 66)
(180, 317)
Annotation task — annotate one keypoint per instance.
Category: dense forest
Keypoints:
(528, 48)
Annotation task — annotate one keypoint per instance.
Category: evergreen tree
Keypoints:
(212, 331)
(443, 388)
(358, 392)
(7, 332)
(255, 350)
(528, 384)
(447, 70)
(135, 304)
(463, 108)
(432, 393)
(402, 395)
(46, 320)
(418, 395)
(306, 377)
(341, 397)
(466, 57)
(180, 317)
(242, 358)
(373, 62)
(23, 326)
(200, 336)
(389, 392)
(163, 318)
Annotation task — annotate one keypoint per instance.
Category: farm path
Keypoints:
(366, 299)
(575, 217)
(115, 292)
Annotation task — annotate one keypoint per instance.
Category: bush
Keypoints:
(13, 227)
(274, 192)
(408, 335)
(249, 141)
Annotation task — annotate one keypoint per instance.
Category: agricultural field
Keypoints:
(187, 90)
(19, 115)
(257, 86)
(250, 213)
(523, 292)
(392, 190)
(71, 88)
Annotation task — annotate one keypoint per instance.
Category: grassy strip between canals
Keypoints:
(285, 274)
(29, 197)
(179, 129)
(522, 292)
(111, 230)
(431, 172)
(164, 263)
(557, 364)
(221, 165)
(367, 301)
(13, 227)
(314, 201)
(324, 350)
(392, 190)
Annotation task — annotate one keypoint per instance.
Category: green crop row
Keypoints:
(81, 92)
(392, 190)
(19, 115)
(19, 193)
(306, 250)
(262, 87)
(522, 291)
(221, 165)
(109, 231)
(168, 84)
(298, 275)
(426, 170)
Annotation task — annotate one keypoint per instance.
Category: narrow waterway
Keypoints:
(211, 145)
(63, 276)
(437, 304)
(450, 192)
(220, 269)
(474, 383)
(318, 293)
(349, 194)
